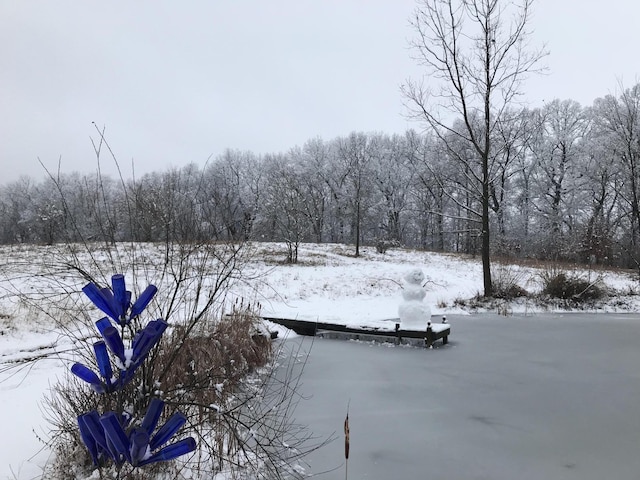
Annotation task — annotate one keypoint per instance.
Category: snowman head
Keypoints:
(414, 277)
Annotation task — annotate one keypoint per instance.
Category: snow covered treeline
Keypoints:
(565, 184)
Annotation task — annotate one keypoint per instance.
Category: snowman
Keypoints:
(414, 313)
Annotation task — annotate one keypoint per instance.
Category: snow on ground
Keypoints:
(331, 285)
(328, 284)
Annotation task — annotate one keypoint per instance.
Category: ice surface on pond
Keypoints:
(413, 312)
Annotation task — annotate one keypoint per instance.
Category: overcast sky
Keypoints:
(176, 82)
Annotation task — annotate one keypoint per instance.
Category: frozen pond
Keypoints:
(549, 396)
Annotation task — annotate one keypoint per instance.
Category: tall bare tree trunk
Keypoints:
(473, 53)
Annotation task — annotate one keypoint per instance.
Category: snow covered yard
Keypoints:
(328, 284)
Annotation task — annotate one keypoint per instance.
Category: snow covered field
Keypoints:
(328, 284)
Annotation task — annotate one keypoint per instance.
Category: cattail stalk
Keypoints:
(346, 445)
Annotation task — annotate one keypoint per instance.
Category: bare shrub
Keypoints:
(218, 370)
(506, 283)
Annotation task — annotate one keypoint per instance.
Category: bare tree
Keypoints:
(325, 157)
(355, 153)
(604, 184)
(478, 52)
(392, 179)
(433, 220)
(17, 205)
(285, 203)
(619, 119)
(311, 160)
(232, 194)
(513, 137)
(558, 179)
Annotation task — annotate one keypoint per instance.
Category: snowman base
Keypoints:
(414, 315)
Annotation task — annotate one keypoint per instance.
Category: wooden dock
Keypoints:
(433, 332)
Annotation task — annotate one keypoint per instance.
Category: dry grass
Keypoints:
(205, 369)
(199, 375)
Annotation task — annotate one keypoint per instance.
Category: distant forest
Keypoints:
(565, 185)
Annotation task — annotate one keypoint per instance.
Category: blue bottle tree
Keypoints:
(126, 436)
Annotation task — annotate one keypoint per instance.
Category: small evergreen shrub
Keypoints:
(508, 292)
(571, 287)
(383, 245)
